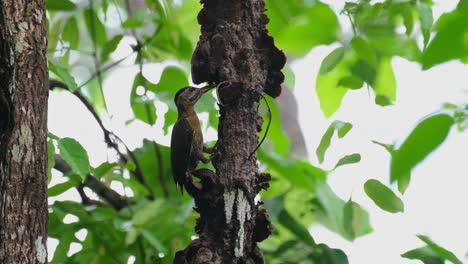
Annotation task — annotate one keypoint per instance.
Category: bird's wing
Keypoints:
(181, 147)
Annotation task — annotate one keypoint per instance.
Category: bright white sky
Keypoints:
(434, 199)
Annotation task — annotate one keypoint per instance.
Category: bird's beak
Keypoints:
(206, 89)
(201, 91)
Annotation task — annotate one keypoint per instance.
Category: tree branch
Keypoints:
(112, 197)
(108, 135)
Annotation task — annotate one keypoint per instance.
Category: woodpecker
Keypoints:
(187, 138)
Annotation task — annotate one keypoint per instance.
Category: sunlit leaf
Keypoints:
(385, 83)
(383, 196)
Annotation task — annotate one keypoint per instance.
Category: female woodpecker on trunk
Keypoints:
(187, 138)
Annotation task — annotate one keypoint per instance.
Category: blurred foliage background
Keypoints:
(130, 211)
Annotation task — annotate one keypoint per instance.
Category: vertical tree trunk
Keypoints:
(236, 53)
(23, 132)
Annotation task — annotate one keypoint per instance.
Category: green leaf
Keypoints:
(93, 92)
(364, 50)
(143, 108)
(60, 254)
(349, 159)
(276, 134)
(348, 217)
(440, 251)
(50, 159)
(317, 25)
(385, 83)
(388, 147)
(327, 255)
(285, 219)
(169, 119)
(64, 75)
(329, 95)
(154, 241)
(382, 100)
(71, 33)
(104, 169)
(426, 20)
(396, 45)
(96, 29)
(299, 174)
(450, 42)
(351, 82)
(60, 188)
(155, 163)
(424, 139)
(328, 88)
(110, 47)
(331, 211)
(383, 197)
(341, 127)
(75, 155)
(172, 80)
(425, 254)
(289, 77)
(60, 5)
(364, 71)
(132, 22)
(331, 60)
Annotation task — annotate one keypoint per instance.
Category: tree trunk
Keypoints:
(236, 53)
(23, 132)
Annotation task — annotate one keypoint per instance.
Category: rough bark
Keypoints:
(236, 53)
(23, 132)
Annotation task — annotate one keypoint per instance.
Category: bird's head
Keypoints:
(189, 96)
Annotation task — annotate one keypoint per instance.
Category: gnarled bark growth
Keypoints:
(236, 52)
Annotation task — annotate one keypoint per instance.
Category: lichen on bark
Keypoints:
(236, 53)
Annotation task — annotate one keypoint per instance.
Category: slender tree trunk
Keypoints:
(236, 53)
(23, 132)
